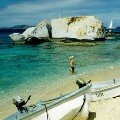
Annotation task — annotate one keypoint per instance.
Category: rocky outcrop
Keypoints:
(33, 35)
(42, 30)
(73, 28)
(28, 32)
(81, 28)
(22, 38)
(17, 38)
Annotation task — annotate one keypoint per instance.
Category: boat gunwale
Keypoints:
(106, 89)
(65, 98)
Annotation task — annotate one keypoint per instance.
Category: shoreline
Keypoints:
(99, 75)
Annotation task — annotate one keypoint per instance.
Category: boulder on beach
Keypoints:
(81, 28)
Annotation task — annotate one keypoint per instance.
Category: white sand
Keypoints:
(105, 109)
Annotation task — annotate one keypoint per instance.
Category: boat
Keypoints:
(105, 89)
(111, 25)
(65, 107)
(109, 33)
(70, 106)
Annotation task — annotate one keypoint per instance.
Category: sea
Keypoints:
(28, 68)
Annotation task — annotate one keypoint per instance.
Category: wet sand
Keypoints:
(105, 109)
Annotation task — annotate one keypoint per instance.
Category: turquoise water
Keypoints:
(27, 68)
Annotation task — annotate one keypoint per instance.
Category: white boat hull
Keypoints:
(106, 90)
(73, 105)
(76, 102)
(64, 110)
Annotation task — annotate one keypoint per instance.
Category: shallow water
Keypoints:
(27, 68)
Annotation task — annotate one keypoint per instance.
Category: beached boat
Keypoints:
(66, 107)
(105, 89)
(69, 106)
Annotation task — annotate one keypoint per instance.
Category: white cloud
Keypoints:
(33, 7)
(26, 8)
(28, 12)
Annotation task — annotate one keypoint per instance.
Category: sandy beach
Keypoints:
(105, 109)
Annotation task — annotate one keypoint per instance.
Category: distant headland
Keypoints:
(17, 27)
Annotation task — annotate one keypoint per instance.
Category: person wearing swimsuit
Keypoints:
(72, 65)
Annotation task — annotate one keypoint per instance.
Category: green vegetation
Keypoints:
(74, 19)
(83, 44)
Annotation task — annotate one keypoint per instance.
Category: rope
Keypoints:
(84, 100)
(53, 99)
(46, 111)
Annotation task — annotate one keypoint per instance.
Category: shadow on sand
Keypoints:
(92, 116)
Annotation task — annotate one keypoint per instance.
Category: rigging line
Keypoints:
(84, 100)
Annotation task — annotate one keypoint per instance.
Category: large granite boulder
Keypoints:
(17, 38)
(33, 34)
(21, 38)
(84, 27)
(28, 32)
(42, 30)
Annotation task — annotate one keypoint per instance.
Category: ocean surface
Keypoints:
(27, 68)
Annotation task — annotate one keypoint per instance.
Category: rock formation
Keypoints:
(81, 28)
(17, 38)
(75, 28)
(28, 32)
(39, 33)
(43, 30)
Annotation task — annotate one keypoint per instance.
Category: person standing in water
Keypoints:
(72, 65)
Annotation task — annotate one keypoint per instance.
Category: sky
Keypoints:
(31, 12)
